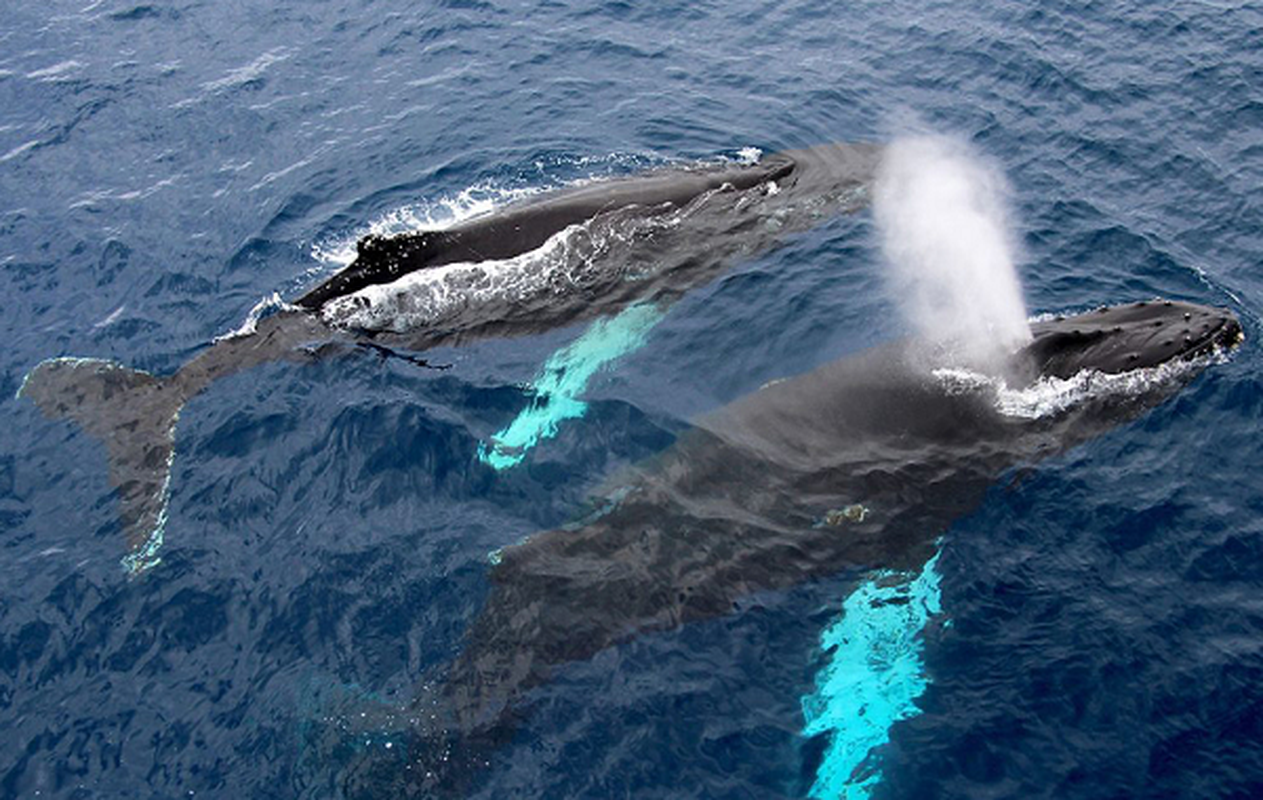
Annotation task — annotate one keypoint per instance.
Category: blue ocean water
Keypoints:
(164, 167)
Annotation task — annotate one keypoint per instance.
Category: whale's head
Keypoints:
(1116, 339)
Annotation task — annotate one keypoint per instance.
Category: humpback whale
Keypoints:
(860, 464)
(578, 253)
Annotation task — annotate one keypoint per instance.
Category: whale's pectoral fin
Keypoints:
(134, 415)
(563, 378)
(873, 676)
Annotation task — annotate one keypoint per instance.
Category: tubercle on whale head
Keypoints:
(1117, 339)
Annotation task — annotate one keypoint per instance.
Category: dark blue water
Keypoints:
(163, 167)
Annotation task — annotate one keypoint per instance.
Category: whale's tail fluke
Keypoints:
(134, 414)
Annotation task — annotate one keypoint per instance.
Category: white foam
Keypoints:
(480, 199)
(55, 72)
(427, 297)
(566, 262)
(943, 219)
(112, 318)
(19, 150)
(266, 305)
(1049, 396)
(249, 72)
(445, 212)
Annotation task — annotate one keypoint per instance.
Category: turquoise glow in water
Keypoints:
(872, 678)
(561, 381)
(166, 165)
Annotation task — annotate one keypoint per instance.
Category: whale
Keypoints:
(856, 466)
(578, 253)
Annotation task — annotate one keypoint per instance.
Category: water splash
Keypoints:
(944, 226)
(561, 381)
(264, 307)
(873, 676)
(446, 211)
(431, 297)
(1051, 395)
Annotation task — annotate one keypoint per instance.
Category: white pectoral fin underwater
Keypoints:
(942, 215)
(555, 392)
(580, 253)
(873, 675)
(856, 468)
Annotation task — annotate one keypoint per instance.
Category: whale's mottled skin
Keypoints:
(672, 229)
(755, 498)
(526, 226)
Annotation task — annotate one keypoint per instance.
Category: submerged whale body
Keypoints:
(578, 253)
(860, 464)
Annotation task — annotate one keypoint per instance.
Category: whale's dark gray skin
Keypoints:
(670, 230)
(1122, 338)
(527, 226)
(860, 464)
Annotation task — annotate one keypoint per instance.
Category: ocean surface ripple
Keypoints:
(165, 167)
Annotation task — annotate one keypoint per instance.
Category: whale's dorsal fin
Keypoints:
(377, 248)
(379, 259)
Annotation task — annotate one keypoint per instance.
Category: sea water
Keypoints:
(166, 167)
